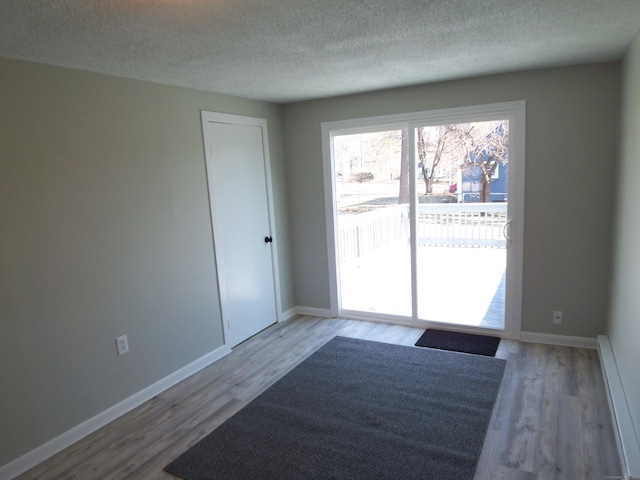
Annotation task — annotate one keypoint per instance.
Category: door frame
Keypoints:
(217, 117)
(516, 113)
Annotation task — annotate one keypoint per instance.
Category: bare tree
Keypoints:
(488, 149)
(484, 144)
(441, 133)
(365, 156)
(442, 147)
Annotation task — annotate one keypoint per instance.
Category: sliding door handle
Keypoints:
(506, 230)
(268, 239)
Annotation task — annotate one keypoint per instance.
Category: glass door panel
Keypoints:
(462, 202)
(372, 204)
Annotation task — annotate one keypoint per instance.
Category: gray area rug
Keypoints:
(358, 409)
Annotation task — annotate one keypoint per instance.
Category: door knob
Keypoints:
(268, 239)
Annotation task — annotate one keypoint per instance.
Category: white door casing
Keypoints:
(237, 161)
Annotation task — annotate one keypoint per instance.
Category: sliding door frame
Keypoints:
(516, 114)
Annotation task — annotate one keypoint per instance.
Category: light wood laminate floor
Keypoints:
(550, 420)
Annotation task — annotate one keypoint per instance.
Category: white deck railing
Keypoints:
(439, 224)
(462, 224)
(366, 232)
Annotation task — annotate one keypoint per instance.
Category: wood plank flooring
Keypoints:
(550, 419)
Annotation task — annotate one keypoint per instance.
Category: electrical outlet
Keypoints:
(123, 344)
(557, 317)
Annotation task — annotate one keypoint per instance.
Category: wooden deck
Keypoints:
(457, 285)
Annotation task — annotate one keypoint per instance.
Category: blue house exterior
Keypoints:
(470, 176)
(470, 183)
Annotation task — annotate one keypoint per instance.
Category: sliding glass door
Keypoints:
(422, 221)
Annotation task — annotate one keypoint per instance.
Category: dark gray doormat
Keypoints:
(459, 342)
(357, 409)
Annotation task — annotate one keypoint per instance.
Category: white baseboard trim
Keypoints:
(561, 340)
(312, 311)
(288, 314)
(68, 438)
(626, 437)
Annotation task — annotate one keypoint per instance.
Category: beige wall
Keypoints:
(572, 128)
(104, 231)
(624, 322)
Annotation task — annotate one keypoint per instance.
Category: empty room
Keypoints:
(331, 239)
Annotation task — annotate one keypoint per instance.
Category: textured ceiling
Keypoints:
(288, 50)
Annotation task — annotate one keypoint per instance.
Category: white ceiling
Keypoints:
(289, 50)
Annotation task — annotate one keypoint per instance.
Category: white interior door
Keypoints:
(238, 191)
